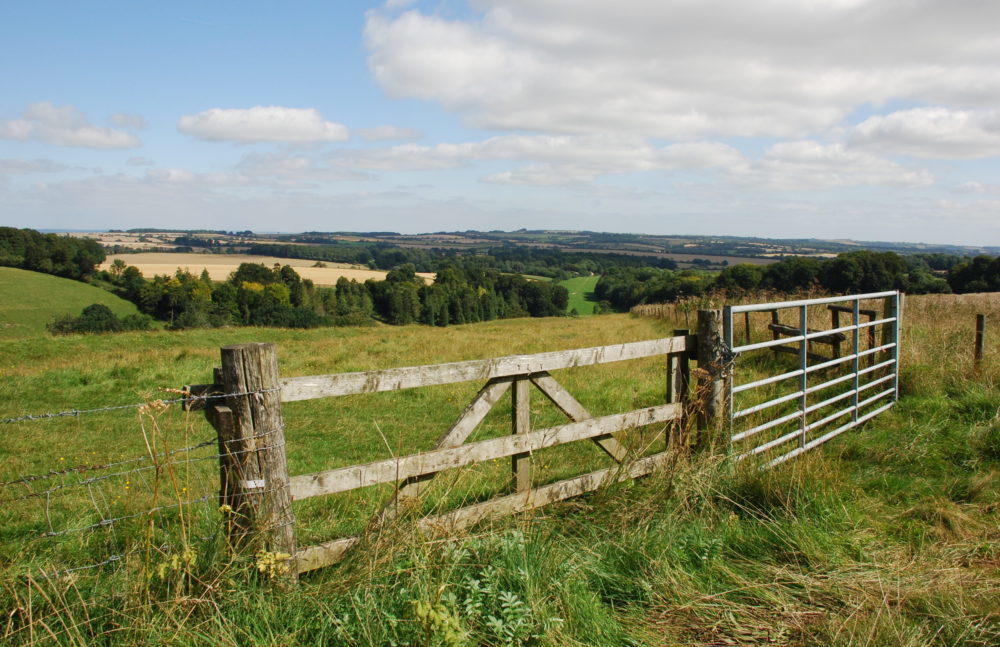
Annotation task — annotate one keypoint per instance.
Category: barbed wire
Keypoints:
(135, 405)
(161, 466)
(106, 523)
(79, 469)
(120, 557)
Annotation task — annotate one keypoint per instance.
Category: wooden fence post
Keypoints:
(977, 354)
(835, 323)
(254, 444)
(712, 369)
(521, 424)
(678, 381)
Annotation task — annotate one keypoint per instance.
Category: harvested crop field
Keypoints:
(220, 266)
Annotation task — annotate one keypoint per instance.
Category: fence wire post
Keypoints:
(977, 354)
(892, 309)
(678, 381)
(259, 490)
(712, 373)
(520, 464)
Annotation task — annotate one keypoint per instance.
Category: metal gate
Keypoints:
(795, 406)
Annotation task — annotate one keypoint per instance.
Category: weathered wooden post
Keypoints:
(775, 335)
(711, 374)
(678, 381)
(977, 354)
(253, 443)
(835, 323)
(521, 424)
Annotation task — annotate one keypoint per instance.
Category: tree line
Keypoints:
(71, 258)
(256, 295)
(850, 273)
(545, 262)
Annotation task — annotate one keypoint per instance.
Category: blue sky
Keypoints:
(864, 119)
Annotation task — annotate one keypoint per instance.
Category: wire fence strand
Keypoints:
(79, 469)
(135, 405)
(159, 466)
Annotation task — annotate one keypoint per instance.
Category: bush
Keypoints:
(97, 318)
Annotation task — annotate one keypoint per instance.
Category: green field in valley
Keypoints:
(581, 294)
(30, 300)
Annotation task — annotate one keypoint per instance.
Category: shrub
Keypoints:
(97, 318)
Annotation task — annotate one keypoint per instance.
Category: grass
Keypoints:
(886, 536)
(30, 300)
(581, 294)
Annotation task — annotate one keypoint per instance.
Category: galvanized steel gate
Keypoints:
(767, 412)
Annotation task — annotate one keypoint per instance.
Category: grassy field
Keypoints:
(886, 536)
(581, 293)
(29, 300)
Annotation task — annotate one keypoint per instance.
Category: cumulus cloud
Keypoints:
(64, 126)
(687, 70)
(550, 160)
(932, 132)
(262, 124)
(388, 133)
(802, 165)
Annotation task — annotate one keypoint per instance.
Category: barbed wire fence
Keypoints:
(89, 517)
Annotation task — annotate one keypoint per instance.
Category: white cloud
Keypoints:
(932, 132)
(128, 120)
(19, 166)
(803, 165)
(292, 171)
(64, 126)
(976, 188)
(687, 70)
(262, 124)
(552, 160)
(387, 133)
(559, 159)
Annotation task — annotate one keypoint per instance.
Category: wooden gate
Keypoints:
(257, 489)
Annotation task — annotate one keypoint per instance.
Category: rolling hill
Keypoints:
(29, 300)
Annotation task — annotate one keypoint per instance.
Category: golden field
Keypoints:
(220, 266)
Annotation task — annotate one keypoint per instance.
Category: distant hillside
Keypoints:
(29, 300)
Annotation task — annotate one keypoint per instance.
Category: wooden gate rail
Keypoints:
(390, 470)
(248, 485)
(393, 379)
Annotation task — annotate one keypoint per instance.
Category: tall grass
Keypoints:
(886, 536)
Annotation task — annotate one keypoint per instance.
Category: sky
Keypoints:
(860, 119)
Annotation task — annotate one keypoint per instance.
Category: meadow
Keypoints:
(581, 294)
(31, 300)
(888, 535)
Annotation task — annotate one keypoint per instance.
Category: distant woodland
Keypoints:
(493, 283)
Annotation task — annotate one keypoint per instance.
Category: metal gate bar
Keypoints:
(802, 335)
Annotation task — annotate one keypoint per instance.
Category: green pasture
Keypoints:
(888, 535)
(581, 294)
(30, 300)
